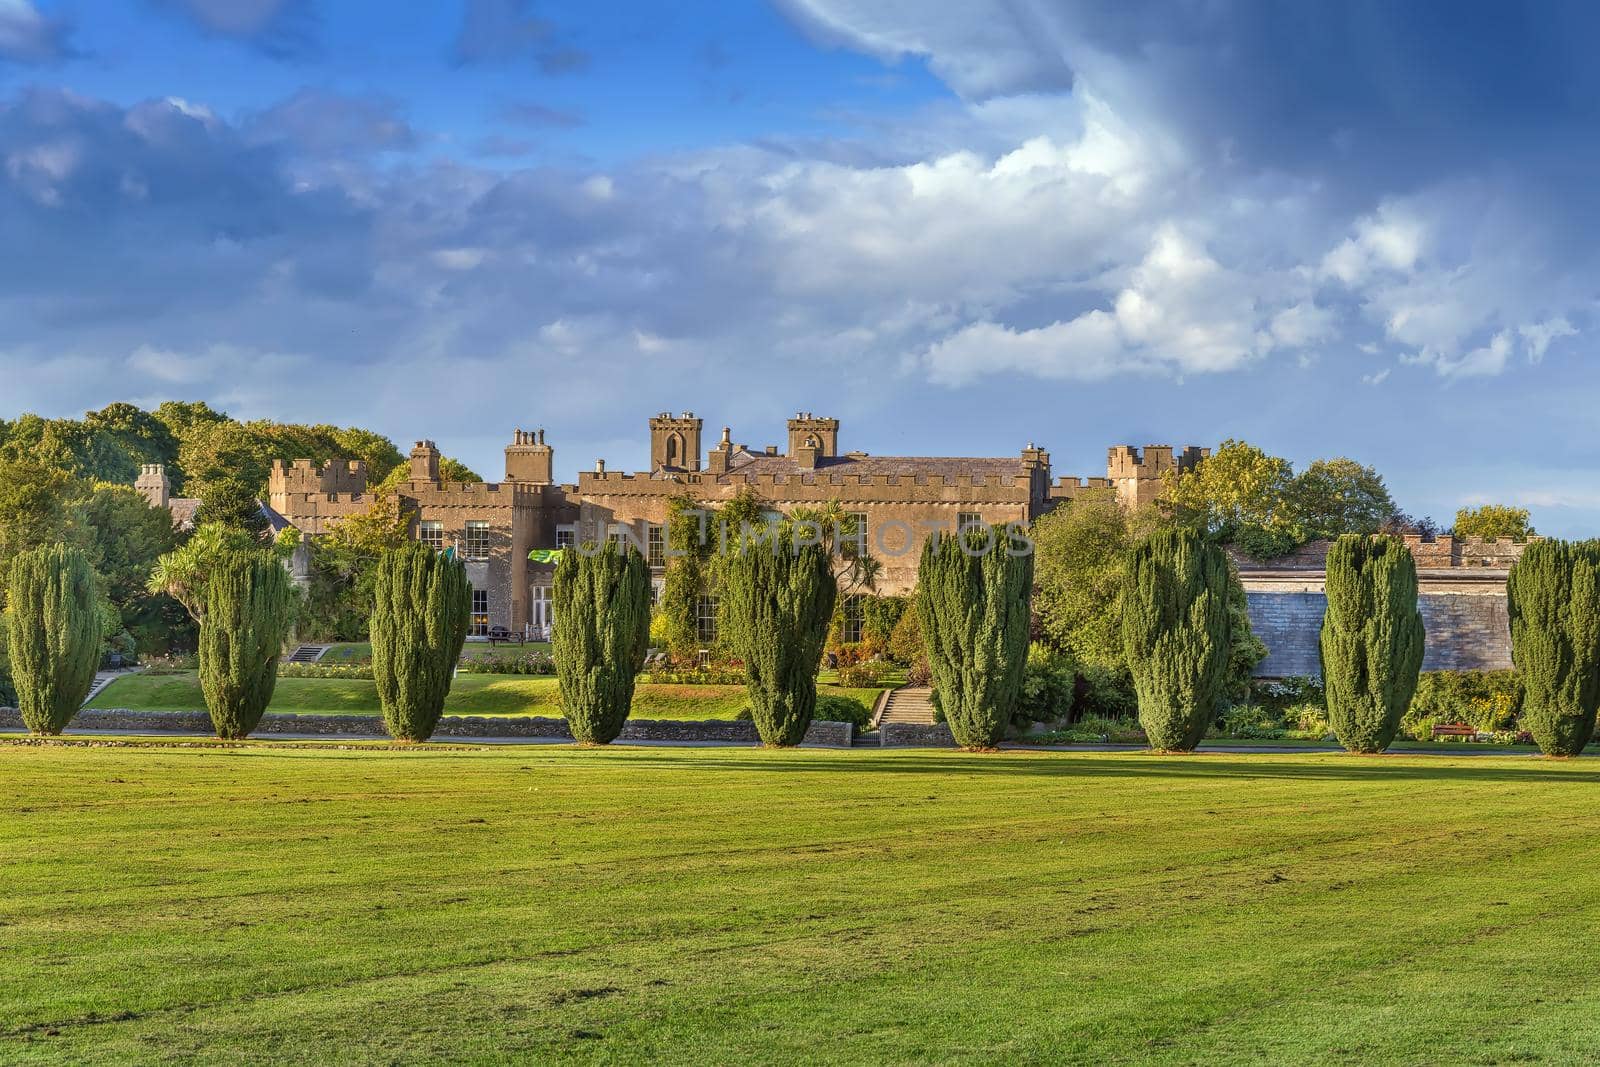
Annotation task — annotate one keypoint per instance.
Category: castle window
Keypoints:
(477, 542)
(852, 535)
(657, 544)
(566, 537)
(431, 534)
(855, 620)
(480, 613)
(674, 450)
(968, 518)
(705, 619)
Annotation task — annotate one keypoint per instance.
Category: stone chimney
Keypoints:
(823, 433)
(806, 455)
(154, 484)
(529, 459)
(718, 458)
(425, 462)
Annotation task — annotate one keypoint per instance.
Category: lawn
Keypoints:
(716, 905)
(359, 651)
(470, 694)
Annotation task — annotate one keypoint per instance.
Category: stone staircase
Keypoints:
(308, 653)
(909, 704)
(105, 678)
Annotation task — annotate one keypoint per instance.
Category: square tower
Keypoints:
(675, 442)
(529, 459)
(807, 430)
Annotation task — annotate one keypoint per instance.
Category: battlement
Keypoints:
(820, 486)
(1067, 487)
(1126, 461)
(303, 476)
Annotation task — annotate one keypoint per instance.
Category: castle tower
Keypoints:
(154, 484)
(1140, 477)
(529, 459)
(806, 430)
(675, 442)
(425, 462)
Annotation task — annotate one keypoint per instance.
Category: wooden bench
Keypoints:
(1456, 730)
(499, 635)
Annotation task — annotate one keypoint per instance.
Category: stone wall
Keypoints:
(825, 734)
(1464, 631)
(916, 735)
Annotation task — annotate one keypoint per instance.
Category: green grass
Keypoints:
(470, 694)
(722, 905)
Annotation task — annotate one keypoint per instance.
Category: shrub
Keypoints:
(867, 675)
(1251, 722)
(833, 708)
(711, 675)
(603, 602)
(905, 640)
(1048, 682)
(536, 662)
(324, 670)
(1485, 700)
(1553, 596)
(54, 634)
(247, 616)
(919, 673)
(974, 610)
(779, 599)
(1372, 639)
(1104, 692)
(1177, 633)
(421, 609)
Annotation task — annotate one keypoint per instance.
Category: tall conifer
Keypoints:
(602, 602)
(1553, 595)
(421, 610)
(1372, 639)
(54, 634)
(1176, 633)
(248, 602)
(974, 591)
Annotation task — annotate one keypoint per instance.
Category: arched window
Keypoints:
(674, 450)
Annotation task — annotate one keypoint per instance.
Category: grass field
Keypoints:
(470, 694)
(308, 905)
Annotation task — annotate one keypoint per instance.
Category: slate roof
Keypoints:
(183, 509)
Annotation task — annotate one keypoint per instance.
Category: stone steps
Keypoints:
(308, 653)
(909, 704)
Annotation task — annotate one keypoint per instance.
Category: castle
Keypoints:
(896, 501)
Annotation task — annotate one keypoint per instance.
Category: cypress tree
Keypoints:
(603, 603)
(777, 598)
(1176, 635)
(1372, 639)
(421, 610)
(1553, 595)
(247, 615)
(974, 593)
(54, 634)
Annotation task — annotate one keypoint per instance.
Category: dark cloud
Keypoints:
(29, 38)
(283, 29)
(508, 31)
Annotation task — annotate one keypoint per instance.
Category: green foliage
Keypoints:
(1177, 634)
(603, 602)
(1372, 639)
(248, 604)
(1488, 701)
(833, 708)
(421, 610)
(1553, 595)
(905, 641)
(344, 563)
(231, 502)
(1239, 487)
(687, 576)
(1494, 522)
(778, 598)
(54, 625)
(125, 537)
(868, 674)
(8, 689)
(183, 573)
(1081, 566)
(1048, 684)
(974, 607)
(1338, 496)
(526, 663)
(35, 507)
(450, 470)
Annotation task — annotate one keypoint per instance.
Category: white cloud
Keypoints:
(1538, 336)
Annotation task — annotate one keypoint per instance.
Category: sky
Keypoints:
(1361, 229)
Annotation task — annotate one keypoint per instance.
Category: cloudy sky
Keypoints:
(1359, 228)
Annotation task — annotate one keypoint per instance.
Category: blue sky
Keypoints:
(1361, 229)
